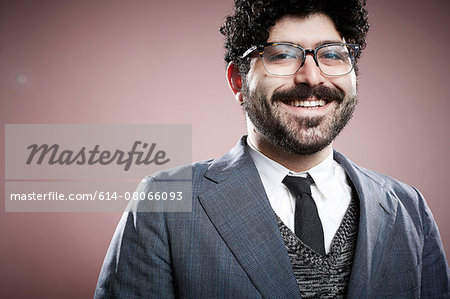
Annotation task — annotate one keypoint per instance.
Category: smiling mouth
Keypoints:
(307, 104)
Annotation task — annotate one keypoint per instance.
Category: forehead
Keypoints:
(309, 31)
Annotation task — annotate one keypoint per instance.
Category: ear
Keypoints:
(234, 81)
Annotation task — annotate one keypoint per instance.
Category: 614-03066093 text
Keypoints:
(97, 195)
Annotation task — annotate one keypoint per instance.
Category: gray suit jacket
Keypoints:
(230, 245)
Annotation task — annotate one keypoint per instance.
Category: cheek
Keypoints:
(254, 76)
(347, 84)
(353, 80)
(252, 83)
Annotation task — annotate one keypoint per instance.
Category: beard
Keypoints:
(298, 134)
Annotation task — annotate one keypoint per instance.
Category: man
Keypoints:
(282, 215)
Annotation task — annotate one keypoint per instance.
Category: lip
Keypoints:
(311, 111)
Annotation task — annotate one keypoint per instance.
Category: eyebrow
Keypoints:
(324, 42)
(318, 44)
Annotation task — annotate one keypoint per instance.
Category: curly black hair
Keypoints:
(250, 23)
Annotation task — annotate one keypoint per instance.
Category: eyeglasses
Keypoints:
(285, 59)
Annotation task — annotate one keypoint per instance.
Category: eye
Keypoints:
(281, 56)
(333, 55)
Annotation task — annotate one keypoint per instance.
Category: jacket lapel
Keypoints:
(237, 205)
(377, 216)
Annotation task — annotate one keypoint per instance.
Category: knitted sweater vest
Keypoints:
(324, 276)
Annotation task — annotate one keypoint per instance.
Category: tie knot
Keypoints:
(298, 185)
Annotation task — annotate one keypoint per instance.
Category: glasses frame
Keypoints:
(261, 47)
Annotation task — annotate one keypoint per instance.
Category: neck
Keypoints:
(293, 162)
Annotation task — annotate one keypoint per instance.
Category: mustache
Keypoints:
(302, 92)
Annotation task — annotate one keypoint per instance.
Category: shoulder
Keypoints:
(233, 163)
(394, 196)
(389, 183)
(192, 172)
(375, 182)
(171, 190)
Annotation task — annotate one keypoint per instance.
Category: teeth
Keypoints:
(307, 104)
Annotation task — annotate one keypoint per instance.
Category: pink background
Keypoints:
(161, 62)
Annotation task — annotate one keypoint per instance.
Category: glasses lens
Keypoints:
(282, 60)
(335, 60)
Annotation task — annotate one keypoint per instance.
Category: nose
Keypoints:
(309, 73)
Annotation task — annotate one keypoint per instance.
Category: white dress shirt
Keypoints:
(331, 191)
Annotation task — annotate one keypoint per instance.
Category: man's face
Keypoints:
(270, 101)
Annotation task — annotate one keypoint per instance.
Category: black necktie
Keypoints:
(307, 222)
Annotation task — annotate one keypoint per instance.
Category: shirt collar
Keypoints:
(272, 173)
